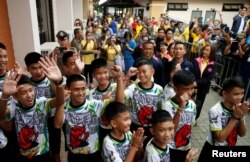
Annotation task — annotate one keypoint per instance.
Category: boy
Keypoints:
(30, 113)
(120, 144)
(227, 118)
(143, 97)
(183, 111)
(162, 128)
(44, 88)
(81, 117)
(105, 90)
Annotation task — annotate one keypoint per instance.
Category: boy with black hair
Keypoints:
(162, 128)
(30, 113)
(72, 63)
(105, 90)
(143, 97)
(82, 116)
(183, 111)
(120, 144)
(44, 88)
(227, 118)
(4, 61)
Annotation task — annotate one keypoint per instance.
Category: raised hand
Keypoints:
(183, 100)
(10, 82)
(192, 155)
(132, 71)
(117, 71)
(18, 68)
(51, 69)
(79, 63)
(138, 138)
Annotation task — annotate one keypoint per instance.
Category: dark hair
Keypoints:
(128, 33)
(142, 61)
(171, 66)
(148, 42)
(73, 78)
(98, 63)
(169, 29)
(183, 77)
(243, 7)
(160, 116)
(87, 32)
(113, 109)
(66, 56)
(76, 31)
(164, 44)
(2, 46)
(212, 52)
(230, 83)
(161, 29)
(177, 43)
(170, 45)
(24, 79)
(32, 58)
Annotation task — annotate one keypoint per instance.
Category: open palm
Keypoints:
(51, 70)
(10, 83)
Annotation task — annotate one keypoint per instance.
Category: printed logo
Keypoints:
(181, 138)
(144, 114)
(78, 137)
(27, 138)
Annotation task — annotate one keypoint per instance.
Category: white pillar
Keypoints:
(63, 16)
(77, 10)
(24, 27)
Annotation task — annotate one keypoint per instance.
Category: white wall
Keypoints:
(24, 27)
(204, 6)
(77, 9)
(63, 16)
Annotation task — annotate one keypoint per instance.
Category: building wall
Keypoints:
(204, 6)
(24, 27)
(5, 32)
(156, 8)
(77, 9)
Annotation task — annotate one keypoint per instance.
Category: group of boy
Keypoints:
(113, 120)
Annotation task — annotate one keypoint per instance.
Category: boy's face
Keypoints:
(71, 67)
(78, 92)
(122, 122)
(3, 59)
(148, 50)
(234, 96)
(181, 89)
(145, 73)
(163, 132)
(26, 95)
(36, 71)
(101, 75)
(179, 50)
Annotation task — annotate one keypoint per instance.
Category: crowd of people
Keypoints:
(124, 90)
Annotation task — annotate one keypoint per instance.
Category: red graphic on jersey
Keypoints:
(144, 114)
(78, 137)
(104, 120)
(232, 138)
(181, 136)
(27, 138)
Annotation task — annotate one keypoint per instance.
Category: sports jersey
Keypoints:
(43, 88)
(182, 138)
(143, 102)
(1, 82)
(153, 153)
(3, 139)
(31, 126)
(115, 150)
(98, 95)
(219, 117)
(82, 125)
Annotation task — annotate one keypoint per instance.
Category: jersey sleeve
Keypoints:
(129, 93)
(149, 155)
(168, 107)
(214, 120)
(109, 152)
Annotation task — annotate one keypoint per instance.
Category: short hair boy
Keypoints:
(30, 113)
(72, 63)
(143, 97)
(183, 111)
(120, 144)
(82, 116)
(4, 60)
(162, 128)
(227, 118)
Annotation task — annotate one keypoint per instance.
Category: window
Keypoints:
(232, 6)
(178, 6)
(210, 16)
(196, 13)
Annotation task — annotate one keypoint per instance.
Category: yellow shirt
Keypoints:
(90, 57)
(186, 34)
(138, 30)
(195, 46)
(111, 52)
